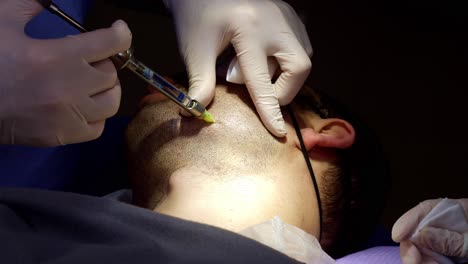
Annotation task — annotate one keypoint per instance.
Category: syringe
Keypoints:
(127, 60)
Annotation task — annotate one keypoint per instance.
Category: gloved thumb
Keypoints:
(445, 242)
(201, 70)
(99, 44)
(405, 226)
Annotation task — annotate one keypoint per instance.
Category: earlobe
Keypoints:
(331, 133)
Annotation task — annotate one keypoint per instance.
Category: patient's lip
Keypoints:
(153, 97)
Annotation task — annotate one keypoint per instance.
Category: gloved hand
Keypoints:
(440, 240)
(257, 30)
(57, 91)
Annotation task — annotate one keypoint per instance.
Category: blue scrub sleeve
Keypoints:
(97, 167)
(47, 25)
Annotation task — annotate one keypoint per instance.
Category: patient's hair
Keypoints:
(354, 188)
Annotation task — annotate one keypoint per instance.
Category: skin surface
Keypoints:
(231, 174)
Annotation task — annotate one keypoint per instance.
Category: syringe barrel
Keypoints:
(160, 84)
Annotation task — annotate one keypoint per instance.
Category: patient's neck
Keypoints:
(232, 202)
(229, 202)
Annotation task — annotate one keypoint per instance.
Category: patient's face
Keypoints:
(231, 174)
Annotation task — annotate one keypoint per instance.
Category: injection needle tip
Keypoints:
(207, 117)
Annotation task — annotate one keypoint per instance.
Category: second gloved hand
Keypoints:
(257, 30)
(433, 229)
(57, 91)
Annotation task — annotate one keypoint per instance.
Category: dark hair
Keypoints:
(354, 189)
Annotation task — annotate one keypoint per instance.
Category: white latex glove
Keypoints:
(257, 30)
(58, 91)
(440, 240)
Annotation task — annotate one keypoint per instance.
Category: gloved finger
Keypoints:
(234, 72)
(253, 62)
(97, 45)
(304, 39)
(104, 105)
(93, 131)
(46, 57)
(445, 242)
(201, 70)
(78, 130)
(407, 223)
(103, 76)
(295, 66)
(104, 101)
(464, 203)
(428, 260)
(409, 253)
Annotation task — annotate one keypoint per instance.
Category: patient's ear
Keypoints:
(331, 133)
